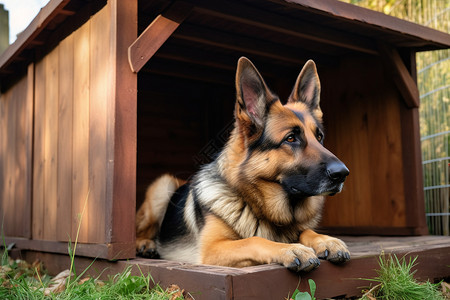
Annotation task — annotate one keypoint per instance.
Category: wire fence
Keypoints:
(433, 78)
(434, 85)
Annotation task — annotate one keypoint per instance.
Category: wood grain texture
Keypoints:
(15, 157)
(21, 158)
(362, 121)
(65, 140)
(412, 170)
(122, 132)
(10, 161)
(109, 251)
(3, 143)
(412, 157)
(28, 144)
(100, 80)
(80, 169)
(51, 144)
(38, 151)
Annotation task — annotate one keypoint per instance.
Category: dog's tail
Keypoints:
(151, 213)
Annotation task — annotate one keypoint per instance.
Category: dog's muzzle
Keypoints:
(328, 180)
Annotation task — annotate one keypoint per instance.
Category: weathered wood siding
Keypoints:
(66, 128)
(16, 108)
(70, 136)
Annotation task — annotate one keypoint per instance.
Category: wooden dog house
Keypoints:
(99, 97)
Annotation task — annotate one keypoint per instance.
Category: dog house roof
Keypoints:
(284, 30)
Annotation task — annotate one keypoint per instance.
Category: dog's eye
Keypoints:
(320, 137)
(291, 138)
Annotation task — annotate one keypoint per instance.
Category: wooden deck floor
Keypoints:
(368, 245)
(276, 282)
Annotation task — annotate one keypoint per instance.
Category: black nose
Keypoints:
(337, 171)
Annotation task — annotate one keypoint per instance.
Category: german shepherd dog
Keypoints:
(260, 200)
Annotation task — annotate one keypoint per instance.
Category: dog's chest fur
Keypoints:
(217, 197)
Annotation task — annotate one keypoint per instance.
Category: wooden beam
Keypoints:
(191, 71)
(156, 34)
(401, 76)
(252, 16)
(110, 251)
(221, 60)
(247, 46)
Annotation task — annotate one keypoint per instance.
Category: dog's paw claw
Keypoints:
(148, 253)
(146, 248)
(339, 257)
(299, 258)
(324, 255)
(297, 266)
(311, 265)
(331, 249)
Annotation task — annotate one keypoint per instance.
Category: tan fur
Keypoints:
(221, 246)
(150, 214)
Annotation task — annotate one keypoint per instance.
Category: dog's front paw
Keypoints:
(146, 248)
(331, 249)
(297, 257)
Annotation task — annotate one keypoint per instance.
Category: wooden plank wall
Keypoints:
(16, 121)
(363, 128)
(70, 130)
(68, 142)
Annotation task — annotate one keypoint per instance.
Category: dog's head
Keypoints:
(284, 143)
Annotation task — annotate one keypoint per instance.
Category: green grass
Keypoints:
(396, 281)
(20, 280)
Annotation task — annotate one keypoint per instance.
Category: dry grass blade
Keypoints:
(57, 284)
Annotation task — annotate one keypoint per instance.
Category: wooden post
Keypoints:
(121, 132)
(412, 155)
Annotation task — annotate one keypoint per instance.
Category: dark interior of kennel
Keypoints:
(186, 98)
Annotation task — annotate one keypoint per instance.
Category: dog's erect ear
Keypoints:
(252, 93)
(307, 87)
